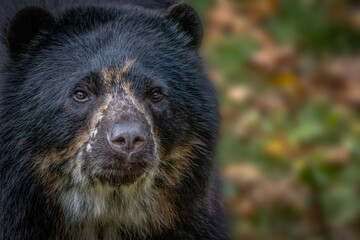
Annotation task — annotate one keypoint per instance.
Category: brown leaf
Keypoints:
(242, 172)
(338, 156)
(273, 60)
(239, 93)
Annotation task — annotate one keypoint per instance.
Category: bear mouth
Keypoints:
(121, 174)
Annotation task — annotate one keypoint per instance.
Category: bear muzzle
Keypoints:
(123, 151)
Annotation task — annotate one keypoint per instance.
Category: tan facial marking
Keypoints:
(52, 157)
(109, 74)
(181, 158)
(160, 149)
(127, 66)
(165, 209)
(115, 74)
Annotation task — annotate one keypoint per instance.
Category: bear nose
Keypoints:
(127, 138)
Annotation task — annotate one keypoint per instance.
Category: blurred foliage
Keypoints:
(288, 79)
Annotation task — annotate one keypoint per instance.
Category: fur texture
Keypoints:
(53, 149)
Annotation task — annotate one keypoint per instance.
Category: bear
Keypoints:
(109, 123)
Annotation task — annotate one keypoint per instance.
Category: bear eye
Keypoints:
(156, 95)
(80, 96)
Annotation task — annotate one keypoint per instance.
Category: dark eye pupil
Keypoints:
(80, 96)
(156, 95)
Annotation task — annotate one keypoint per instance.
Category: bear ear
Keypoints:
(25, 26)
(189, 20)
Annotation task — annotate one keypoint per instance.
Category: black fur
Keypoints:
(25, 26)
(189, 21)
(38, 114)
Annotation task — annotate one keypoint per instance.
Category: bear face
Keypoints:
(114, 110)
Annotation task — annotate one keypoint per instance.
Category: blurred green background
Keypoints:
(288, 79)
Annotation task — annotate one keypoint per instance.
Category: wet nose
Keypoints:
(127, 138)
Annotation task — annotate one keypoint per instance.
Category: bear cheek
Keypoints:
(59, 162)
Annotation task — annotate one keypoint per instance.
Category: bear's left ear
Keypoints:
(189, 20)
(25, 26)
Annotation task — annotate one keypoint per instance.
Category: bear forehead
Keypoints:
(88, 42)
(96, 52)
(115, 32)
(119, 25)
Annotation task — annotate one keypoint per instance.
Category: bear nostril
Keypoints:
(138, 143)
(138, 140)
(119, 141)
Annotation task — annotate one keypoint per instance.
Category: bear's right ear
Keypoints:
(25, 26)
